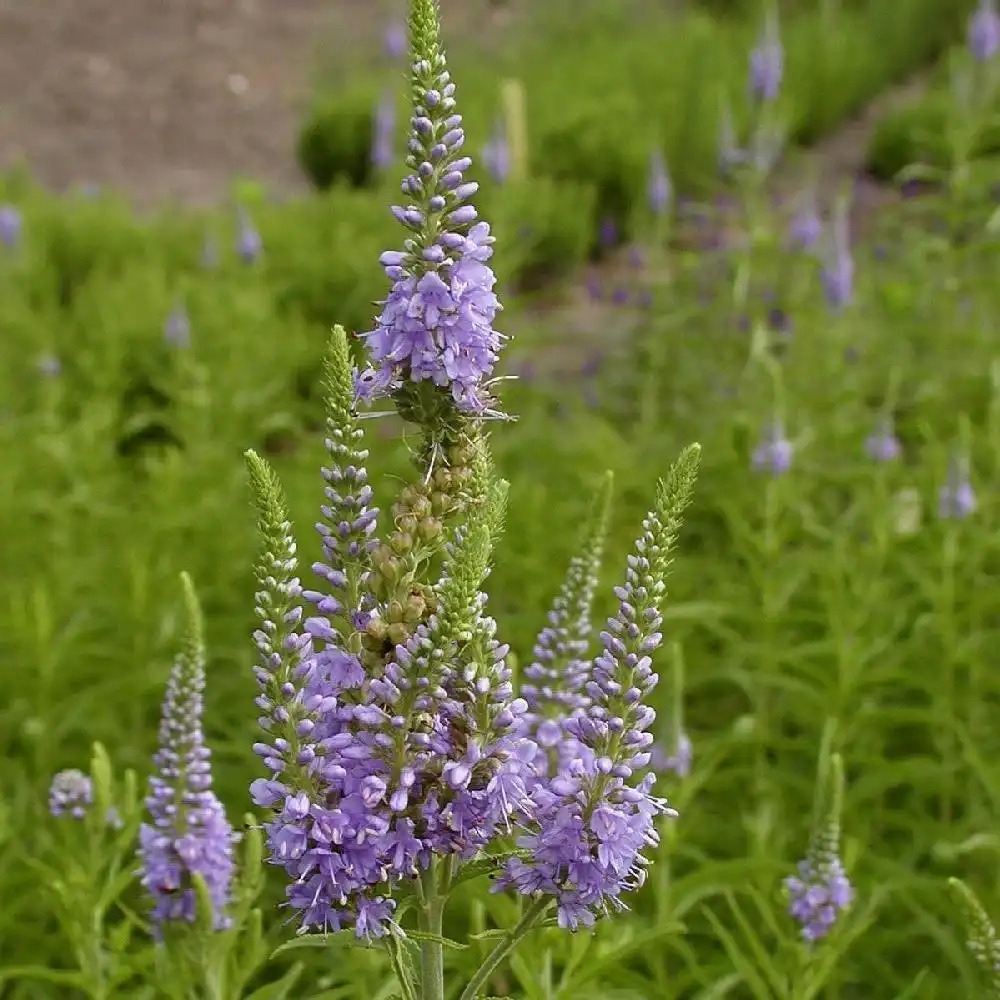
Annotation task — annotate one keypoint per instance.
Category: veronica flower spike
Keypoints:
(597, 813)
(436, 325)
(187, 834)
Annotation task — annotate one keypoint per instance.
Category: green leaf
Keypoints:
(280, 989)
(309, 941)
(436, 939)
(40, 974)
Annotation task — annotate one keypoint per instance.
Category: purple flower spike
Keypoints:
(248, 242)
(660, 190)
(767, 63)
(883, 445)
(384, 131)
(496, 154)
(177, 328)
(71, 794)
(837, 274)
(806, 227)
(817, 894)
(188, 834)
(775, 452)
(595, 810)
(49, 365)
(11, 224)
(394, 43)
(678, 762)
(436, 324)
(984, 31)
(957, 499)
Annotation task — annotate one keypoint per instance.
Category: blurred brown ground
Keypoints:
(169, 99)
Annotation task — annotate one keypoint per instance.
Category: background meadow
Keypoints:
(838, 600)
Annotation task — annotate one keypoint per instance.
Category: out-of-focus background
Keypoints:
(195, 192)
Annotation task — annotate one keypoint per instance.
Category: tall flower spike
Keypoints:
(554, 680)
(981, 935)
(821, 888)
(348, 518)
(767, 61)
(659, 189)
(837, 273)
(384, 131)
(434, 346)
(984, 31)
(189, 834)
(594, 818)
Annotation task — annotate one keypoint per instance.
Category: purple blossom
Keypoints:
(883, 445)
(249, 245)
(837, 273)
(496, 154)
(608, 233)
(209, 253)
(678, 761)
(384, 131)
(984, 31)
(775, 452)
(817, 894)
(11, 224)
(188, 833)
(49, 365)
(659, 189)
(593, 817)
(71, 794)
(957, 499)
(177, 327)
(767, 63)
(394, 43)
(436, 324)
(730, 154)
(806, 227)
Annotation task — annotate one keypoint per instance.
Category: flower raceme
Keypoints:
(188, 834)
(436, 324)
(595, 815)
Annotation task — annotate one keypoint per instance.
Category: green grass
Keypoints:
(796, 602)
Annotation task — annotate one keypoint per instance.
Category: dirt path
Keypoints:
(169, 99)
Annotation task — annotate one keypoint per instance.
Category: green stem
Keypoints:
(431, 922)
(504, 947)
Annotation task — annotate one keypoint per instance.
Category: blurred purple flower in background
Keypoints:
(248, 242)
(984, 31)
(660, 190)
(383, 154)
(608, 234)
(71, 794)
(767, 62)
(394, 42)
(806, 227)
(837, 273)
(678, 762)
(957, 499)
(883, 445)
(49, 365)
(210, 253)
(177, 327)
(730, 154)
(11, 224)
(774, 453)
(496, 154)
